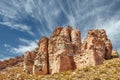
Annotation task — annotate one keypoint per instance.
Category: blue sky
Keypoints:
(23, 22)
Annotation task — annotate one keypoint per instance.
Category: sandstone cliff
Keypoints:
(64, 51)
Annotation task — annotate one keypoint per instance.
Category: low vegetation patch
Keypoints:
(110, 70)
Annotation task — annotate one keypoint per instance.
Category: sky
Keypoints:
(24, 22)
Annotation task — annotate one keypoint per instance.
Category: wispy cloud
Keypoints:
(19, 27)
(112, 28)
(30, 45)
(7, 45)
(87, 14)
(2, 57)
(26, 45)
(12, 13)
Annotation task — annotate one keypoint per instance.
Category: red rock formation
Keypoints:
(76, 41)
(94, 50)
(41, 60)
(29, 58)
(101, 35)
(62, 62)
(51, 46)
(11, 62)
(64, 51)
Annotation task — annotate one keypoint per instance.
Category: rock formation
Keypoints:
(41, 60)
(29, 58)
(92, 50)
(17, 61)
(64, 51)
(51, 46)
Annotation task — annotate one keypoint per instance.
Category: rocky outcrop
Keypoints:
(101, 35)
(62, 62)
(95, 48)
(64, 51)
(51, 46)
(11, 62)
(41, 60)
(29, 58)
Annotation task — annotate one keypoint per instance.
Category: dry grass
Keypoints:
(110, 70)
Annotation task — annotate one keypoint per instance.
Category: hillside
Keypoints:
(11, 62)
(109, 70)
(63, 56)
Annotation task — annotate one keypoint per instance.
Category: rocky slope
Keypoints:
(109, 70)
(64, 52)
(11, 62)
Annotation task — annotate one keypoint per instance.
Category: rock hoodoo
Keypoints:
(64, 51)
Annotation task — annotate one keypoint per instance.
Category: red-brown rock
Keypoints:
(64, 51)
(94, 50)
(29, 58)
(41, 60)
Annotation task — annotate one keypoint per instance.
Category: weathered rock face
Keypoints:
(62, 62)
(64, 51)
(36, 61)
(29, 61)
(51, 46)
(41, 60)
(17, 61)
(90, 55)
(94, 50)
(108, 49)
(76, 41)
(62, 45)
(101, 35)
